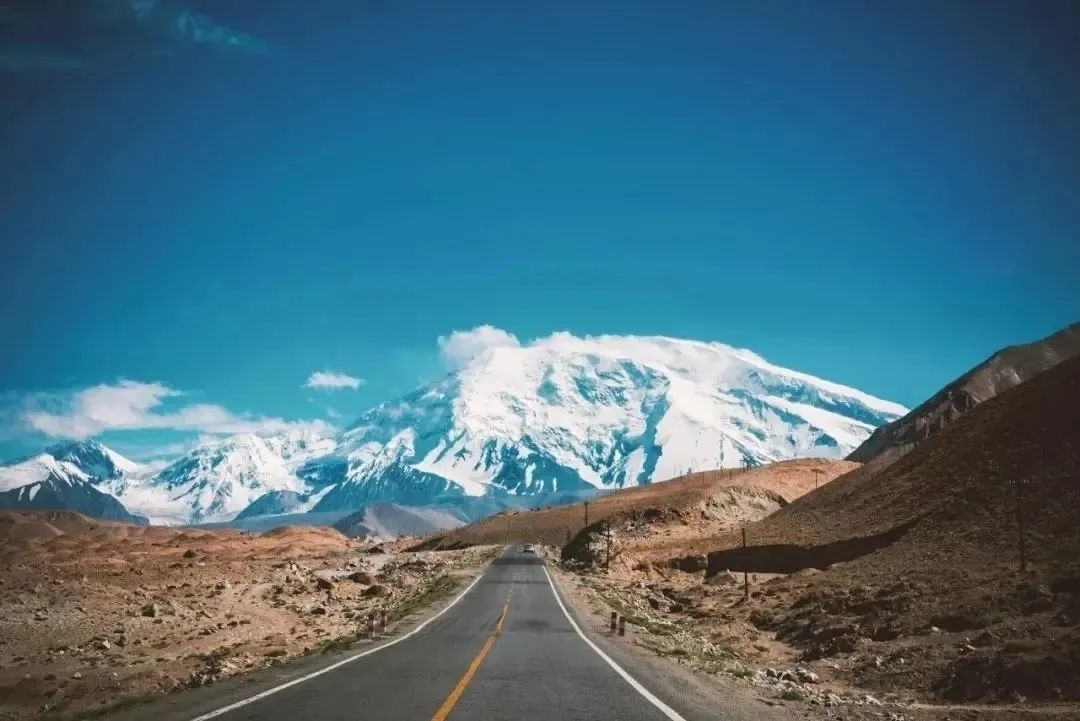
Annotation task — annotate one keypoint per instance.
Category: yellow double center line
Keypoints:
(455, 695)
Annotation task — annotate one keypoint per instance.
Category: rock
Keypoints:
(102, 645)
(376, 549)
(190, 553)
(362, 577)
(324, 584)
(871, 700)
(723, 578)
(76, 675)
(222, 585)
(319, 611)
(376, 590)
(833, 700)
(150, 610)
(805, 675)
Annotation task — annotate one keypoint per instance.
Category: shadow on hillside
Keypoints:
(784, 558)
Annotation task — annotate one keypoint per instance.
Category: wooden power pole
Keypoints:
(1018, 486)
(745, 567)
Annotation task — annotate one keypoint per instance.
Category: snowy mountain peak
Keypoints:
(567, 413)
(37, 469)
(94, 459)
(218, 480)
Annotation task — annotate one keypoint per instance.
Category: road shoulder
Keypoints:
(695, 695)
(196, 703)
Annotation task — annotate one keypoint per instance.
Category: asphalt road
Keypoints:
(504, 650)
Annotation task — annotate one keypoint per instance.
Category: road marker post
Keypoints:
(614, 620)
(385, 618)
(622, 625)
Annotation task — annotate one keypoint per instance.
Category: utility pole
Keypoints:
(1018, 486)
(507, 530)
(607, 560)
(817, 475)
(745, 567)
(586, 513)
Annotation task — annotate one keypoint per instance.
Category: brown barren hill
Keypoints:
(922, 558)
(704, 500)
(1005, 369)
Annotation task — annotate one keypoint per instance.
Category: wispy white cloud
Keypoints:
(134, 405)
(329, 380)
(462, 346)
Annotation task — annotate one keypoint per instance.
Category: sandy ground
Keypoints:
(97, 613)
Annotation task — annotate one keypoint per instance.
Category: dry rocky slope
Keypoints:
(1005, 369)
(98, 613)
(899, 581)
(935, 603)
(714, 499)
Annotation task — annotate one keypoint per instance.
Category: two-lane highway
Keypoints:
(506, 649)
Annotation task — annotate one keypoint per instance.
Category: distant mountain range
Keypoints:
(557, 420)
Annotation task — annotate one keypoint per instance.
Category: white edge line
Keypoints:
(648, 695)
(339, 664)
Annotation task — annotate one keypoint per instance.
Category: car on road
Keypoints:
(528, 548)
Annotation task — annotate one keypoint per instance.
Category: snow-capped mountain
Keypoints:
(216, 481)
(561, 416)
(55, 492)
(95, 460)
(568, 413)
(37, 469)
(66, 476)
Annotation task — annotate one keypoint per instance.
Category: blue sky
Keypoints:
(881, 195)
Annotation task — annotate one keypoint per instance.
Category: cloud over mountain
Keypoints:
(329, 380)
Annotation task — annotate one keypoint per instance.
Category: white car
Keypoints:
(528, 548)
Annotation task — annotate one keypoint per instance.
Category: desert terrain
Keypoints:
(98, 615)
(894, 589)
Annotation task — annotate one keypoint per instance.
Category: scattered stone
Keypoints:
(806, 675)
(871, 700)
(324, 584)
(362, 577)
(222, 585)
(76, 675)
(190, 553)
(150, 610)
(102, 645)
(376, 590)
(318, 611)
